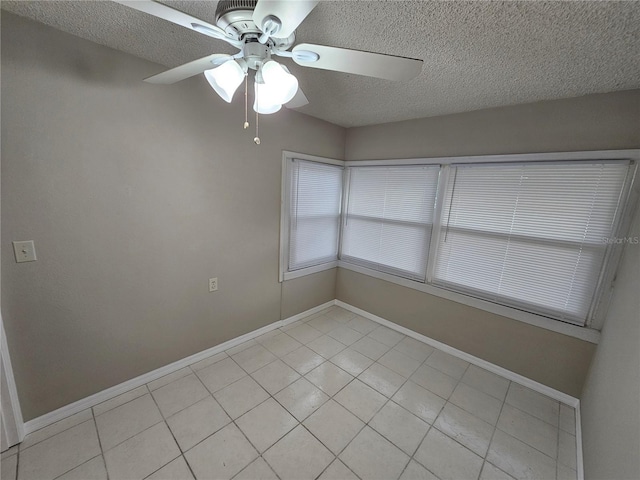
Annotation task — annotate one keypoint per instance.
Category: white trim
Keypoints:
(309, 270)
(583, 333)
(579, 455)
(503, 372)
(92, 400)
(525, 157)
(13, 423)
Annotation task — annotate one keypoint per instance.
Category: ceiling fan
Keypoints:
(261, 29)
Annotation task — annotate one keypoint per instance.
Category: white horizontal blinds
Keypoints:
(315, 199)
(529, 235)
(389, 218)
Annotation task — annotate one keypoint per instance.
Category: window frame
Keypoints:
(285, 215)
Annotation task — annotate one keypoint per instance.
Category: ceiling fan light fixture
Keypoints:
(264, 102)
(225, 79)
(282, 85)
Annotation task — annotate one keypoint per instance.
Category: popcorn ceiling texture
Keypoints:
(476, 54)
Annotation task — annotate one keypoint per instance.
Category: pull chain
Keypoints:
(257, 137)
(246, 107)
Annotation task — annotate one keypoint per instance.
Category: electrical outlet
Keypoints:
(213, 284)
(24, 251)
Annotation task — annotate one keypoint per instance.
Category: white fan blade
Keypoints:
(179, 18)
(189, 69)
(291, 13)
(360, 63)
(298, 100)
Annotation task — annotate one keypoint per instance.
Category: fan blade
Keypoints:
(291, 13)
(370, 64)
(189, 69)
(298, 100)
(179, 18)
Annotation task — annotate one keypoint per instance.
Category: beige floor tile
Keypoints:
(329, 378)
(435, 381)
(222, 455)
(534, 403)
(281, 344)
(301, 398)
(566, 473)
(125, 421)
(303, 360)
(51, 430)
(415, 349)
(304, 333)
(361, 400)
(362, 325)
(386, 335)
(352, 362)
(415, 471)
(333, 425)
(59, 454)
(371, 456)
(323, 323)
(298, 456)
(567, 450)
(10, 451)
(370, 348)
(447, 459)
(167, 379)
(9, 468)
(452, 366)
(120, 400)
(337, 471)
(143, 454)
(568, 419)
(519, 459)
(94, 469)
(240, 397)
(531, 430)
(345, 335)
(477, 403)
(340, 314)
(400, 427)
(491, 472)
(220, 374)
(254, 358)
(419, 401)
(257, 470)
(275, 376)
(326, 346)
(382, 379)
(470, 431)
(208, 361)
(399, 363)
(179, 394)
(174, 470)
(195, 423)
(266, 424)
(487, 382)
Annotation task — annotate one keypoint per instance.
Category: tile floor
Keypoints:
(335, 396)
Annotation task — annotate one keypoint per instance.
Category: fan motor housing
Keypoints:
(235, 17)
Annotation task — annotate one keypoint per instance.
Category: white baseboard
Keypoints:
(579, 458)
(92, 400)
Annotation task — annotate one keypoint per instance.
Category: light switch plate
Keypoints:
(24, 251)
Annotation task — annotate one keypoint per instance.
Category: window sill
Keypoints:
(309, 270)
(583, 333)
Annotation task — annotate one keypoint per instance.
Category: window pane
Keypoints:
(530, 234)
(389, 218)
(314, 224)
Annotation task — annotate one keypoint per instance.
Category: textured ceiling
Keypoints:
(476, 54)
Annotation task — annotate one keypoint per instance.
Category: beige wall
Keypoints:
(135, 195)
(595, 122)
(610, 405)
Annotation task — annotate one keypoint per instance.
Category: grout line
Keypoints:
(95, 424)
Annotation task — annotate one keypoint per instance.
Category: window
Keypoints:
(314, 195)
(389, 217)
(529, 235)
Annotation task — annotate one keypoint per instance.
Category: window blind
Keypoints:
(314, 207)
(389, 218)
(529, 235)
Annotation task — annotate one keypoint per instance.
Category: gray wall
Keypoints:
(610, 405)
(595, 122)
(135, 195)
